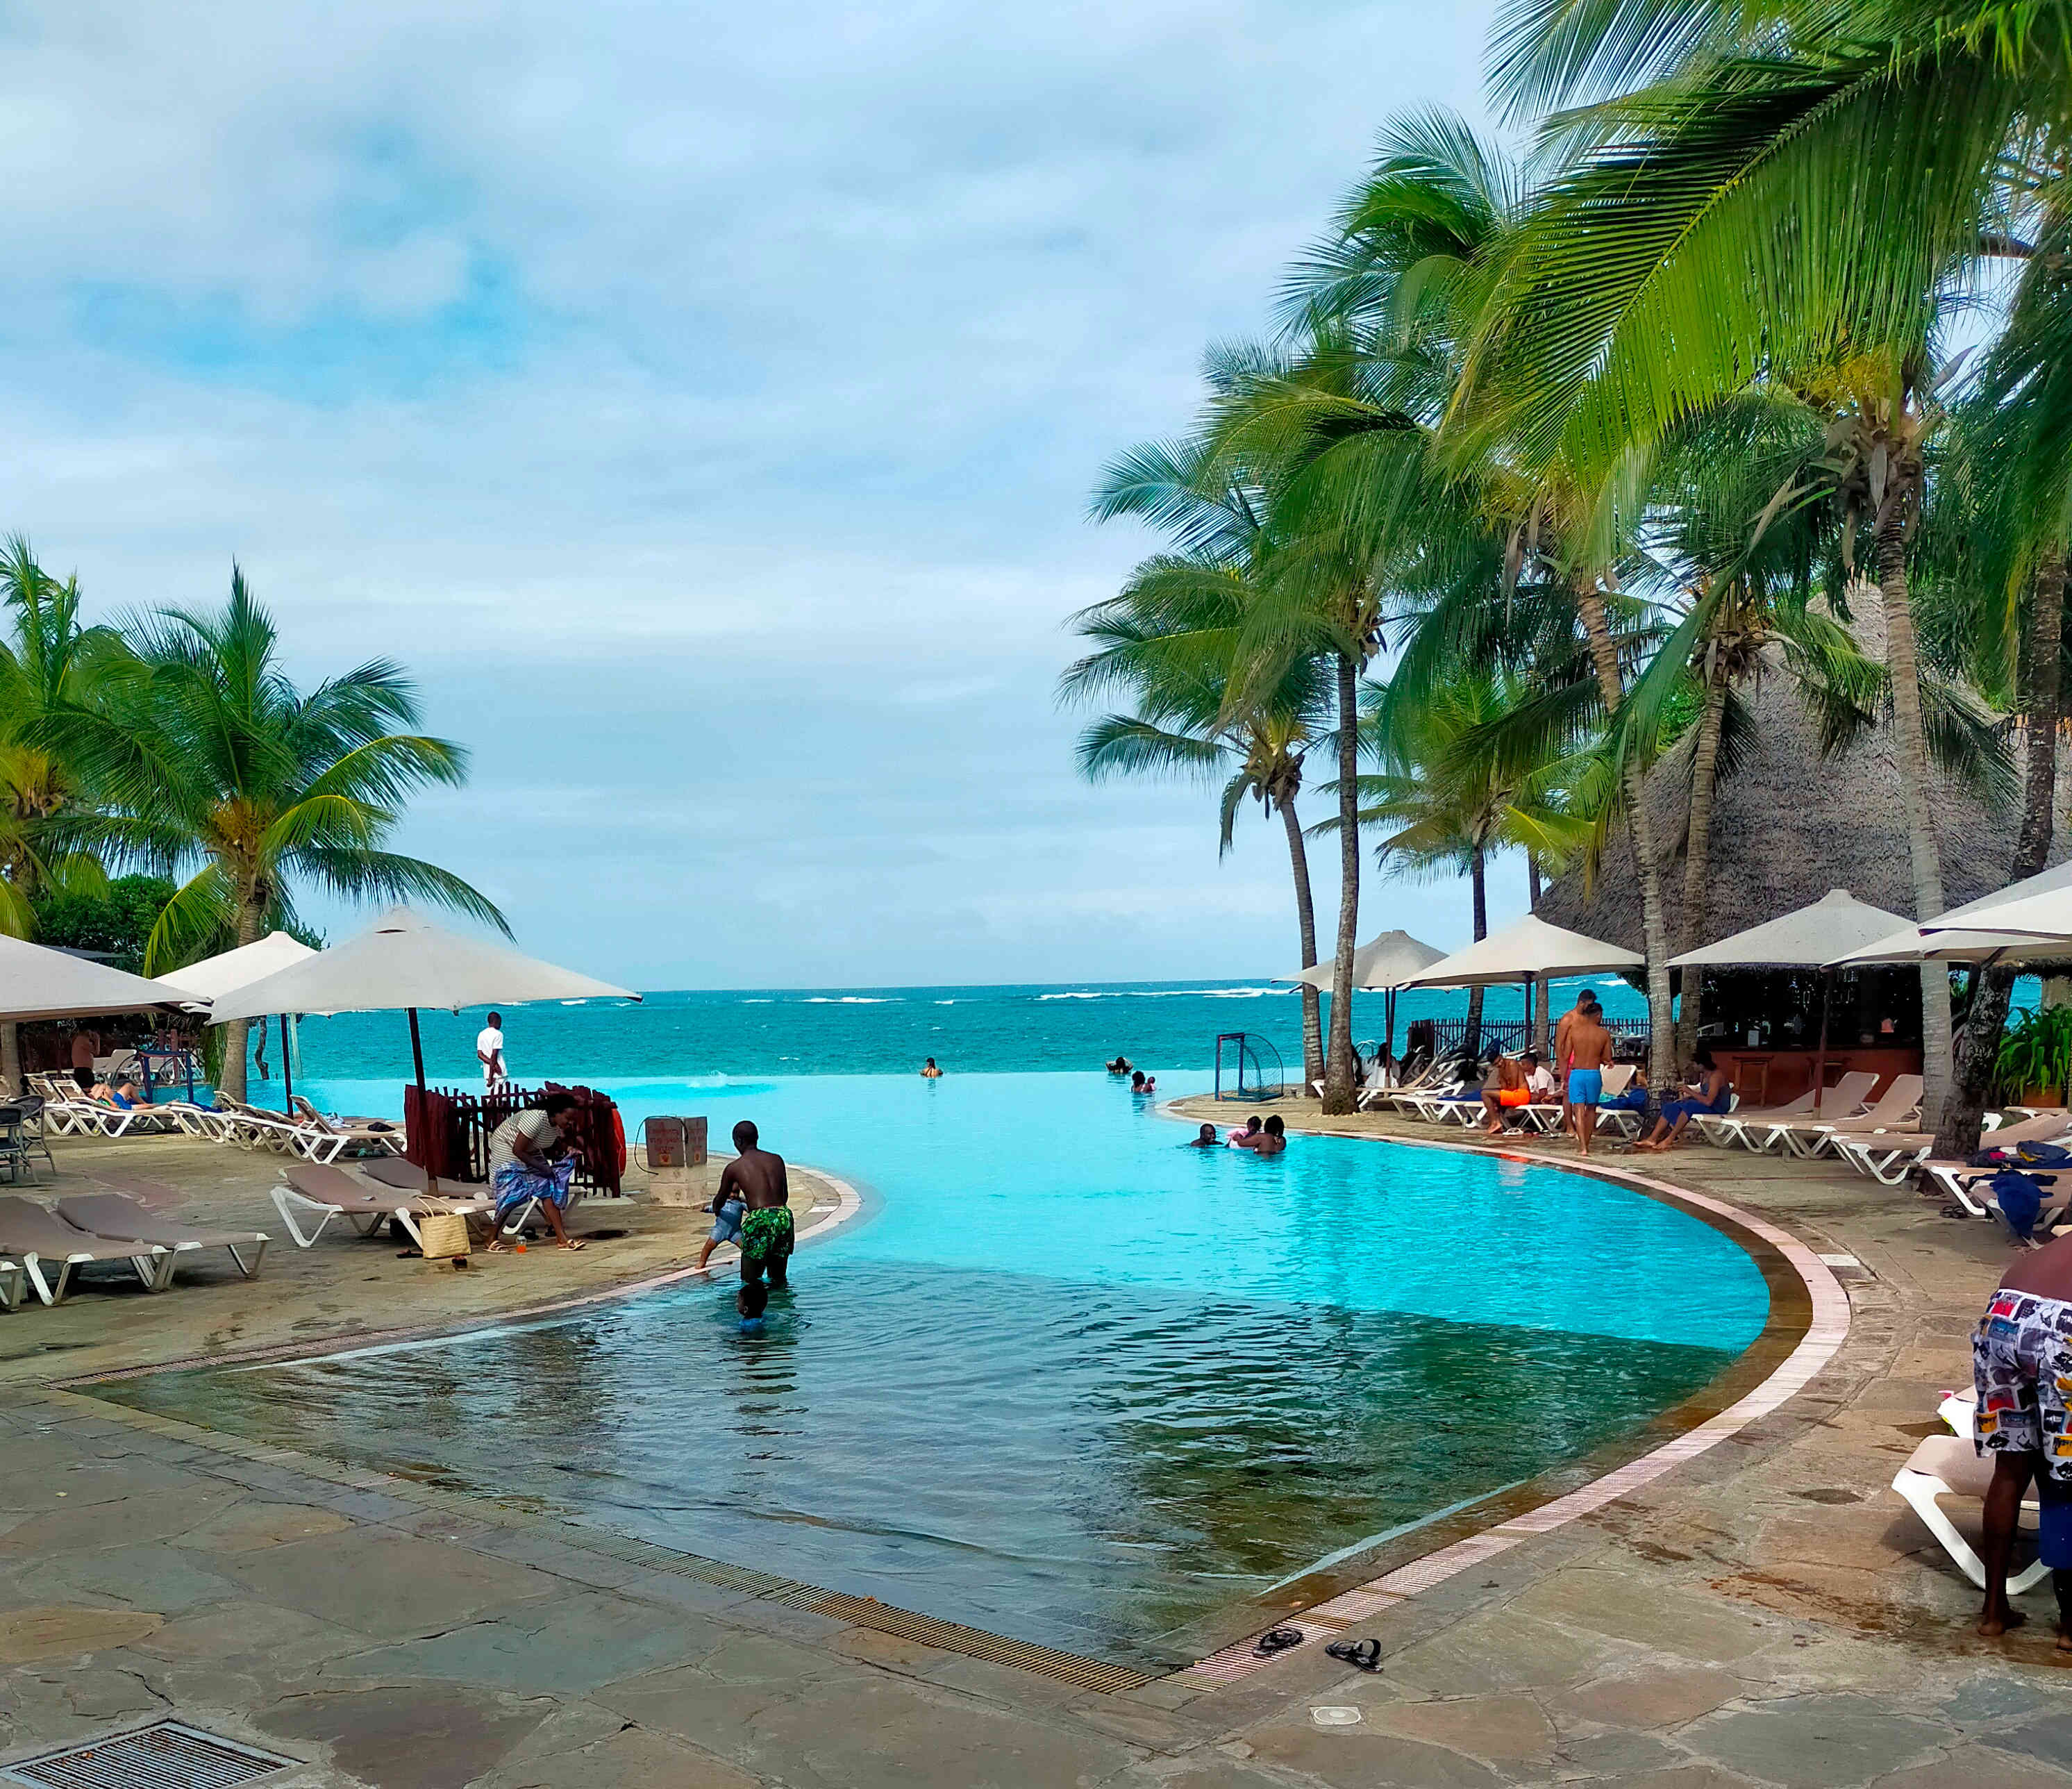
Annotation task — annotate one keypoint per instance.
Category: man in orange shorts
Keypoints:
(1504, 1089)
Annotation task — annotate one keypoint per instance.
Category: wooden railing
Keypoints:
(450, 1138)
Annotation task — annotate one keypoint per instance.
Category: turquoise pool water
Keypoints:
(1068, 1379)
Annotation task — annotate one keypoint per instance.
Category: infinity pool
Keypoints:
(1065, 1380)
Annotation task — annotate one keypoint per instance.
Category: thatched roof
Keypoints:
(1787, 826)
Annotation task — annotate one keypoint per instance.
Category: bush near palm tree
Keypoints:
(213, 766)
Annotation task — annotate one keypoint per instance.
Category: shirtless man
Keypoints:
(756, 1178)
(1586, 998)
(2021, 1363)
(1589, 1051)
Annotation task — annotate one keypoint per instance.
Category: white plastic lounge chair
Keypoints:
(1895, 1109)
(118, 1217)
(42, 1241)
(1761, 1130)
(317, 1190)
(336, 1137)
(1943, 1175)
(392, 1170)
(14, 1282)
(1942, 1466)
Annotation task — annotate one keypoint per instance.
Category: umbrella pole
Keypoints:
(418, 1062)
(1388, 1034)
(287, 1072)
(1820, 1060)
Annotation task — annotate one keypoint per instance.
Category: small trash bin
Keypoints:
(674, 1150)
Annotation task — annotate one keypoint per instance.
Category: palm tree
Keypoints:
(1782, 194)
(213, 764)
(1166, 643)
(46, 658)
(1453, 787)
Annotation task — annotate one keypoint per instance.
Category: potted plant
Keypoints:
(2036, 1058)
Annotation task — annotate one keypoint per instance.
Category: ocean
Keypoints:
(804, 1032)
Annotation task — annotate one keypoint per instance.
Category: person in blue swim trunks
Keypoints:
(1589, 1047)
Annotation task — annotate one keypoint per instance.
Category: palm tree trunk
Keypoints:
(1478, 884)
(236, 1032)
(1539, 1041)
(2043, 697)
(1338, 1050)
(1910, 757)
(1653, 922)
(10, 1057)
(1697, 848)
(1305, 918)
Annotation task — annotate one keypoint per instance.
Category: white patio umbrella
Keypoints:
(1529, 947)
(227, 971)
(1524, 951)
(403, 962)
(2040, 917)
(1809, 937)
(1910, 944)
(39, 983)
(1382, 966)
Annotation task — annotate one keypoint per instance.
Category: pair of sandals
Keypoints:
(1364, 1654)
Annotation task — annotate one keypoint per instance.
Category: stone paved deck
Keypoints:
(1766, 1614)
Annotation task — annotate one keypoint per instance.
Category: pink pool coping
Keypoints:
(849, 1203)
(1827, 1328)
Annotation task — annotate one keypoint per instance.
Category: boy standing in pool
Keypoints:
(756, 1177)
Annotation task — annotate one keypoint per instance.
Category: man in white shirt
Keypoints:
(489, 1051)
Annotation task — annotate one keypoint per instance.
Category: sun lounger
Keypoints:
(1955, 1178)
(41, 1240)
(1761, 1130)
(337, 1137)
(116, 1217)
(1895, 1109)
(392, 1170)
(1942, 1466)
(319, 1190)
(14, 1282)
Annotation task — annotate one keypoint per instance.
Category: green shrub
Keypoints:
(2035, 1051)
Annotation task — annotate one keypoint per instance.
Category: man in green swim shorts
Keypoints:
(756, 1177)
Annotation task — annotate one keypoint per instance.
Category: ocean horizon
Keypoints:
(1003, 1028)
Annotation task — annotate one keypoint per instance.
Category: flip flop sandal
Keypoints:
(1277, 1640)
(1365, 1654)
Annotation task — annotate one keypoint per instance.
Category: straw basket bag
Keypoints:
(445, 1237)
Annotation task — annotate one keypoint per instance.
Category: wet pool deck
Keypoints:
(1767, 1613)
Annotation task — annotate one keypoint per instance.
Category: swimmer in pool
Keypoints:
(929, 1071)
(751, 1301)
(1205, 1140)
(1249, 1137)
(1120, 1066)
(1273, 1139)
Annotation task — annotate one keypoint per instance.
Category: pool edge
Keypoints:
(1807, 1324)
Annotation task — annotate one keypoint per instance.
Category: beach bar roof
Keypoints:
(1387, 961)
(225, 973)
(37, 983)
(1808, 937)
(1518, 953)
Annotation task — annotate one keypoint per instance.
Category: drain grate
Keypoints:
(166, 1755)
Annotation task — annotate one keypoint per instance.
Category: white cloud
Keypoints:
(704, 400)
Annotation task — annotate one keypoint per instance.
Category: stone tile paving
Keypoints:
(1766, 1615)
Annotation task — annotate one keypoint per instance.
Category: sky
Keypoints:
(703, 401)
